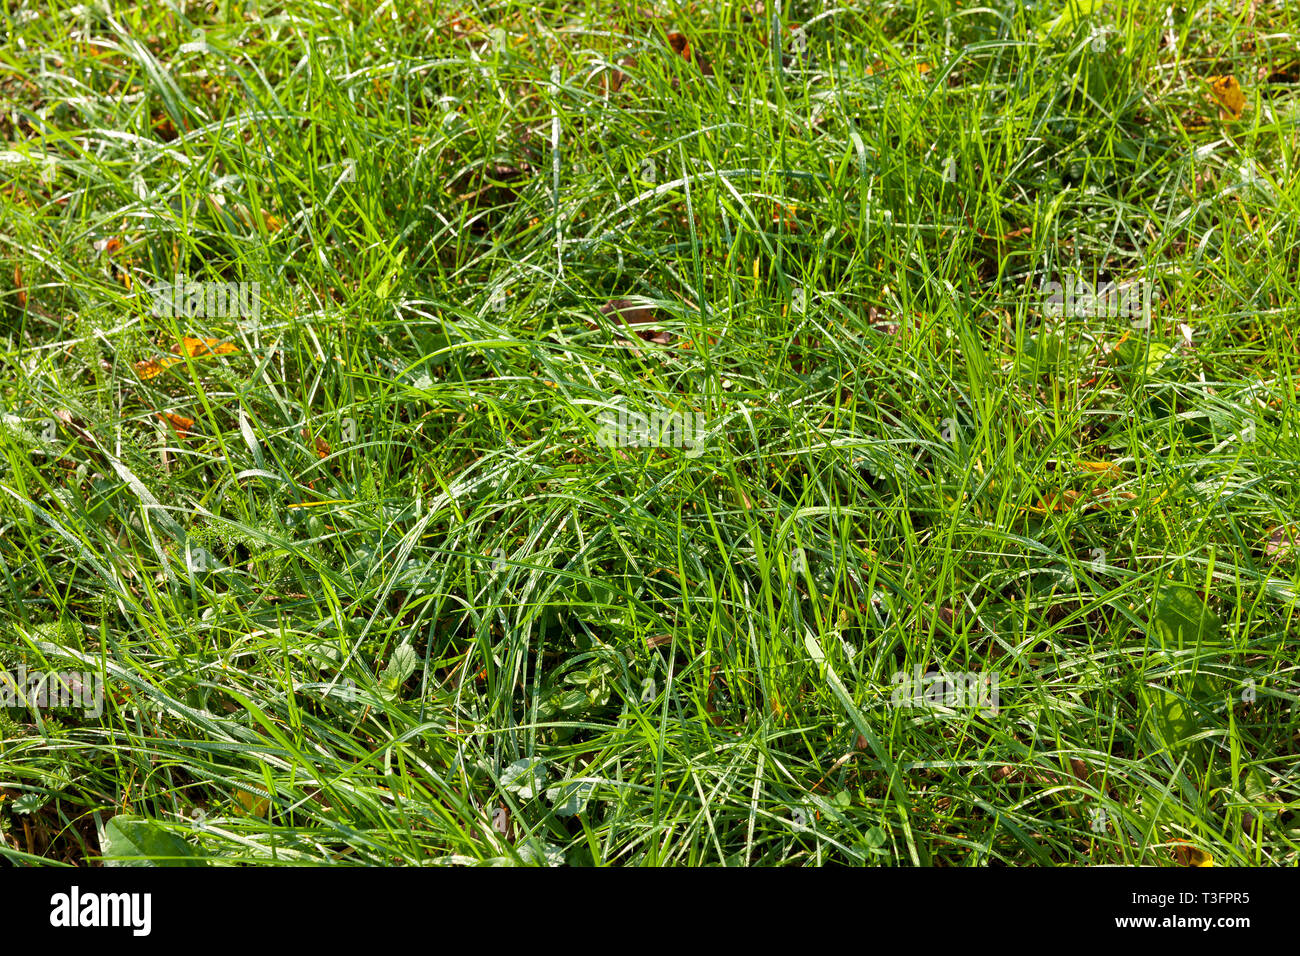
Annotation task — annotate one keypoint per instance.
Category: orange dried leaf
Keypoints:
(1053, 503)
(152, 368)
(182, 424)
(196, 347)
(787, 216)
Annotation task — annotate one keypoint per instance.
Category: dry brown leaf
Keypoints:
(1281, 542)
(65, 416)
(682, 47)
(615, 78)
(322, 446)
(629, 311)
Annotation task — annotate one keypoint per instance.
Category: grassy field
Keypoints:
(615, 434)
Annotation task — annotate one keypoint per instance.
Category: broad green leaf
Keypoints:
(29, 803)
(1254, 786)
(400, 666)
(1180, 619)
(136, 841)
(570, 798)
(526, 778)
(563, 702)
(1171, 720)
(542, 854)
(874, 838)
(1043, 354)
(1145, 358)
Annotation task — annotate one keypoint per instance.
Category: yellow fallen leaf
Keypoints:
(1106, 469)
(250, 804)
(1187, 855)
(1228, 92)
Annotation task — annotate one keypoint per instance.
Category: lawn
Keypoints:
(646, 434)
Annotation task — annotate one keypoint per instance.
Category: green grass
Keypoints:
(395, 599)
